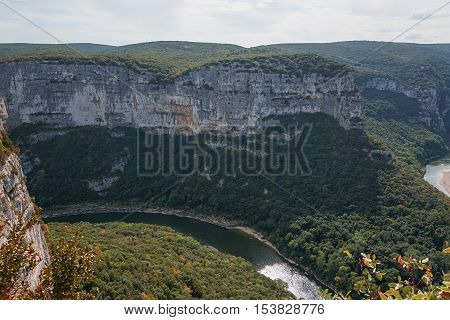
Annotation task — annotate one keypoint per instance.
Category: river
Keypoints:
(435, 171)
(231, 241)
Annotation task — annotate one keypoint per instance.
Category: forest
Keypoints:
(165, 66)
(140, 261)
(365, 192)
(425, 66)
(353, 200)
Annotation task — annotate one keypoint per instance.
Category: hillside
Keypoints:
(237, 92)
(168, 59)
(137, 261)
(366, 150)
(197, 48)
(364, 199)
(8, 49)
(168, 62)
(151, 262)
(415, 64)
(18, 222)
(429, 64)
(419, 71)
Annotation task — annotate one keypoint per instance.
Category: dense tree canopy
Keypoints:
(140, 261)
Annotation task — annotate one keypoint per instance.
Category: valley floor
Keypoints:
(143, 261)
(220, 221)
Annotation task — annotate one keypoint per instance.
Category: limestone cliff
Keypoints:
(434, 104)
(218, 96)
(15, 202)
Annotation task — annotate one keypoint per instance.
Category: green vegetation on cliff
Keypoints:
(348, 183)
(198, 48)
(165, 66)
(413, 64)
(6, 146)
(140, 261)
(71, 266)
(365, 192)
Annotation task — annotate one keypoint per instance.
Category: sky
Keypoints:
(243, 22)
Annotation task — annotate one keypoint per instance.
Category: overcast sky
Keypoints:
(243, 22)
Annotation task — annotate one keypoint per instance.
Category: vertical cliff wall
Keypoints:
(434, 104)
(15, 202)
(220, 96)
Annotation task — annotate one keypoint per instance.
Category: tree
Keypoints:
(72, 264)
(17, 259)
(415, 281)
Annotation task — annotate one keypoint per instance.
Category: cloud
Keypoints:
(414, 37)
(244, 22)
(423, 15)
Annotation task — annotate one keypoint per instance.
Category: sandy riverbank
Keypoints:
(445, 181)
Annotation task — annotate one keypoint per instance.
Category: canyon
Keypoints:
(87, 112)
(215, 97)
(435, 105)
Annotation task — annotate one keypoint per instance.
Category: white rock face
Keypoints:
(102, 184)
(222, 96)
(119, 165)
(428, 99)
(3, 113)
(15, 202)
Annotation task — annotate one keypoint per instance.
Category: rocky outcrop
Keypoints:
(102, 184)
(432, 112)
(220, 96)
(16, 206)
(3, 114)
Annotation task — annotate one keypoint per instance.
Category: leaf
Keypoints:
(392, 284)
(408, 290)
(397, 295)
(379, 276)
(394, 293)
(382, 296)
(348, 254)
(358, 286)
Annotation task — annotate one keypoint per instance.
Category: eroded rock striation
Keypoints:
(434, 104)
(16, 206)
(220, 96)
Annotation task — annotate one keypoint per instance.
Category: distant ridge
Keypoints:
(427, 65)
(205, 47)
(7, 49)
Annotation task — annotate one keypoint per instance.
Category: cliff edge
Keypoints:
(16, 205)
(235, 94)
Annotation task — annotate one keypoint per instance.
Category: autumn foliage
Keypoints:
(415, 281)
(17, 259)
(72, 265)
